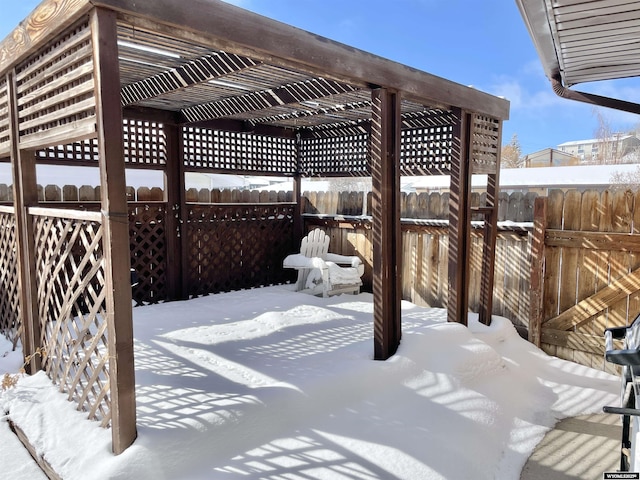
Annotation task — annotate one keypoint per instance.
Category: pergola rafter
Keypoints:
(314, 89)
(209, 67)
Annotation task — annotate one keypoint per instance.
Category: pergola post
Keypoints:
(387, 236)
(25, 195)
(298, 224)
(176, 210)
(489, 245)
(459, 220)
(116, 229)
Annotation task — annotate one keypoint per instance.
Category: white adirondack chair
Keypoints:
(321, 272)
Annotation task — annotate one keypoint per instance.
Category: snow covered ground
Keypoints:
(271, 384)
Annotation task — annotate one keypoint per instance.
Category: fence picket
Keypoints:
(588, 259)
(87, 193)
(621, 221)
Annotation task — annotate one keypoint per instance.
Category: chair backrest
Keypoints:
(315, 244)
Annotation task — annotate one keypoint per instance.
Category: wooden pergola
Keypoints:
(210, 87)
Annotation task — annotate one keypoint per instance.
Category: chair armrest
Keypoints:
(299, 261)
(350, 260)
(629, 357)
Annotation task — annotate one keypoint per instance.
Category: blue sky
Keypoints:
(484, 44)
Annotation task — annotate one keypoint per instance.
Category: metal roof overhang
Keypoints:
(586, 41)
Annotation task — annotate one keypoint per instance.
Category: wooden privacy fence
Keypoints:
(223, 247)
(233, 239)
(232, 247)
(425, 265)
(517, 206)
(88, 193)
(575, 275)
(586, 273)
(514, 207)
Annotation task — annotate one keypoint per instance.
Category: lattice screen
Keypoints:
(346, 156)
(147, 236)
(71, 298)
(236, 247)
(10, 324)
(240, 152)
(485, 144)
(5, 119)
(85, 152)
(55, 90)
(426, 150)
(145, 144)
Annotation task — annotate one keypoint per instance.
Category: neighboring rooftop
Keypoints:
(618, 138)
(578, 177)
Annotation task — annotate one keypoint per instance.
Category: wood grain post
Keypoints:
(489, 252)
(537, 270)
(490, 237)
(387, 236)
(298, 227)
(25, 195)
(116, 229)
(459, 221)
(176, 210)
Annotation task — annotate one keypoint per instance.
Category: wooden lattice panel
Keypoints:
(71, 301)
(231, 247)
(426, 150)
(5, 118)
(10, 324)
(485, 144)
(346, 156)
(84, 152)
(56, 91)
(145, 143)
(147, 234)
(238, 152)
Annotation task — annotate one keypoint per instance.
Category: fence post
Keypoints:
(537, 270)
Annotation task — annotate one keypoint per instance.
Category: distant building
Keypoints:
(620, 148)
(550, 157)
